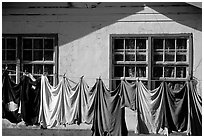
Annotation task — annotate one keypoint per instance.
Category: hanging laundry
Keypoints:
(50, 113)
(144, 123)
(77, 100)
(63, 104)
(30, 100)
(195, 111)
(161, 108)
(107, 111)
(10, 99)
(188, 109)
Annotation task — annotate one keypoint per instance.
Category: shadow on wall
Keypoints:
(187, 15)
(74, 20)
(71, 21)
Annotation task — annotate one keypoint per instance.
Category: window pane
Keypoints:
(50, 78)
(118, 83)
(181, 56)
(130, 56)
(13, 78)
(141, 56)
(141, 43)
(38, 55)
(129, 71)
(129, 43)
(168, 71)
(158, 56)
(27, 43)
(145, 84)
(48, 43)
(170, 44)
(118, 57)
(157, 84)
(158, 43)
(48, 69)
(38, 69)
(3, 54)
(36, 76)
(131, 81)
(118, 43)
(38, 43)
(175, 85)
(3, 43)
(11, 54)
(27, 68)
(140, 71)
(11, 43)
(48, 55)
(11, 67)
(181, 72)
(27, 55)
(169, 56)
(118, 71)
(158, 71)
(181, 44)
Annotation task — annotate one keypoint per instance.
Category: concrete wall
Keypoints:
(84, 31)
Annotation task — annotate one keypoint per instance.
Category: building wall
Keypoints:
(84, 31)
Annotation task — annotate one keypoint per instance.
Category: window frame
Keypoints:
(19, 54)
(150, 62)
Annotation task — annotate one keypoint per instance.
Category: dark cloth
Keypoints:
(10, 94)
(195, 109)
(107, 111)
(186, 108)
(30, 100)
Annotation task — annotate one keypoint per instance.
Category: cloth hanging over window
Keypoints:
(106, 109)
(187, 106)
(161, 108)
(30, 100)
(10, 99)
(144, 123)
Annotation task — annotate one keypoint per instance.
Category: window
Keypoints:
(36, 54)
(130, 58)
(152, 59)
(9, 54)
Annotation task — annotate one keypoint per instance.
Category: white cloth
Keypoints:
(63, 104)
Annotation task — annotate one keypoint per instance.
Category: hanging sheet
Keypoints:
(51, 113)
(77, 100)
(188, 109)
(10, 99)
(63, 104)
(162, 108)
(144, 123)
(106, 108)
(30, 100)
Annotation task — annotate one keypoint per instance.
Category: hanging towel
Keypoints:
(50, 113)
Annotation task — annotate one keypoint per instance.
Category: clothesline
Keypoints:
(128, 78)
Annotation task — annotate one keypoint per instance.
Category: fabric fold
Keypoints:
(10, 99)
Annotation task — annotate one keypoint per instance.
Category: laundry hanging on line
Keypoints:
(30, 99)
(10, 99)
(103, 108)
(26, 94)
(62, 104)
